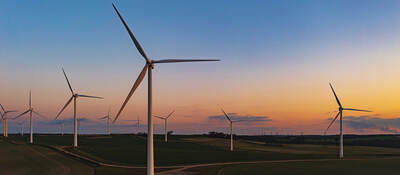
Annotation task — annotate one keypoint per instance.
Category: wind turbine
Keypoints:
(138, 124)
(74, 97)
(62, 128)
(165, 123)
(21, 124)
(148, 66)
(108, 121)
(30, 110)
(340, 113)
(231, 125)
(4, 117)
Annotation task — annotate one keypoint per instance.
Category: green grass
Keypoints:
(342, 167)
(31, 159)
(180, 150)
(186, 150)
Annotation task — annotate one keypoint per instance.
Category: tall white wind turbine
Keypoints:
(30, 110)
(108, 117)
(21, 125)
(148, 66)
(4, 117)
(165, 124)
(231, 125)
(74, 97)
(62, 128)
(340, 113)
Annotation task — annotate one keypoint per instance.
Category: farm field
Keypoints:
(328, 167)
(182, 152)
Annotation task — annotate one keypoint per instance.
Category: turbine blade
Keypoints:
(337, 115)
(159, 117)
(2, 108)
(135, 85)
(21, 114)
(170, 114)
(182, 60)
(103, 117)
(352, 109)
(65, 106)
(88, 96)
(241, 121)
(30, 100)
(139, 48)
(69, 85)
(40, 115)
(226, 115)
(334, 93)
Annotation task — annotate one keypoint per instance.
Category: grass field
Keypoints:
(185, 150)
(342, 167)
(31, 159)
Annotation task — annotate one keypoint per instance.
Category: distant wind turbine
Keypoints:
(341, 109)
(165, 124)
(74, 97)
(108, 117)
(62, 128)
(138, 124)
(231, 126)
(148, 66)
(21, 124)
(30, 110)
(4, 117)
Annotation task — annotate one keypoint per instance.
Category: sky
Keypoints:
(277, 60)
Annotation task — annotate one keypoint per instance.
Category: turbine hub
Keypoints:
(151, 65)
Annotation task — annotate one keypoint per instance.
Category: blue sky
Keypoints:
(266, 47)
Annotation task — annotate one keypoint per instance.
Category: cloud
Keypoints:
(247, 119)
(362, 123)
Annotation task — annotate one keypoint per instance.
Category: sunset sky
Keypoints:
(277, 59)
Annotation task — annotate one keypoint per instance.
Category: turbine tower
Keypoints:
(108, 121)
(4, 117)
(1, 121)
(148, 66)
(30, 110)
(165, 123)
(138, 124)
(230, 125)
(79, 127)
(21, 124)
(62, 128)
(74, 97)
(340, 113)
